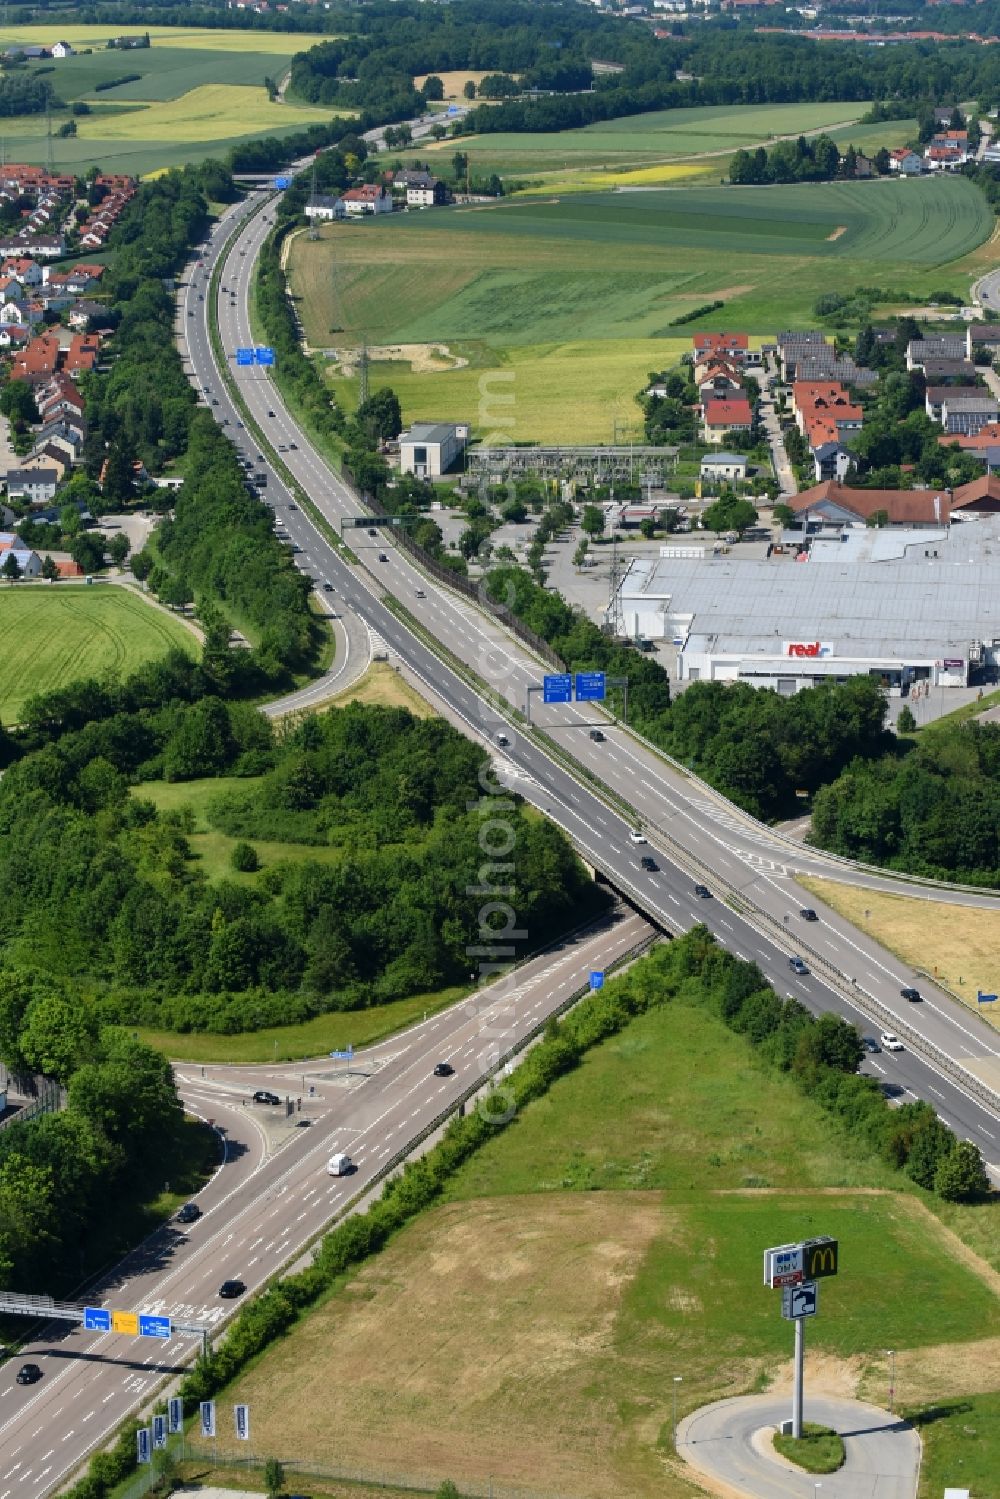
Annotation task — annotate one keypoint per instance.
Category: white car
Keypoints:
(890, 1042)
(636, 836)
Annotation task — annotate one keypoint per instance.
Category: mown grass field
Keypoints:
(532, 1325)
(192, 38)
(55, 635)
(566, 303)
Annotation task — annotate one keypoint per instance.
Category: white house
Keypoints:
(36, 485)
(430, 449)
(907, 163)
(325, 208)
(29, 563)
(724, 466)
(62, 49)
(370, 197)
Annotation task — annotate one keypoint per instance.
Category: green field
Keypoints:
(566, 303)
(609, 1240)
(55, 635)
(199, 93)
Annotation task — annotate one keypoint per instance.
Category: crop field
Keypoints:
(531, 1326)
(55, 635)
(278, 43)
(570, 301)
(637, 140)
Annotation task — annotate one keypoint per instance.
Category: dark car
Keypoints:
(443, 1069)
(270, 413)
(808, 914)
(230, 1289)
(597, 736)
(293, 447)
(372, 531)
(382, 557)
(870, 1044)
(292, 506)
(28, 1374)
(648, 862)
(327, 587)
(911, 994)
(189, 1213)
(703, 892)
(263, 1095)
(797, 965)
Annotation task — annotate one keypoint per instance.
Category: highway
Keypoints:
(265, 1204)
(270, 1198)
(694, 834)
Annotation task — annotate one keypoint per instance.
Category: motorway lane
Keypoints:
(712, 830)
(262, 1209)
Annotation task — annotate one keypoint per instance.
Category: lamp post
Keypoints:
(890, 1352)
(677, 1380)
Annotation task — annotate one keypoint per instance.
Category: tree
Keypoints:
(905, 721)
(274, 1478)
(469, 89)
(647, 527)
(87, 551)
(49, 569)
(17, 401)
(592, 521)
(433, 88)
(447, 1490)
(580, 554)
(459, 165)
(11, 568)
(142, 565)
(117, 483)
(244, 858)
(380, 415)
(882, 162)
(56, 1036)
(118, 547)
(961, 1175)
(783, 514)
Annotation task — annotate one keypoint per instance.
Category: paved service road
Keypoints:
(883, 1453)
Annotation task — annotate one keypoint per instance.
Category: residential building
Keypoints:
(981, 497)
(29, 563)
(430, 194)
(906, 162)
(942, 346)
(736, 345)
(62, 49)
(37, 363)
(46, 457)
(83, 312)
(720, 417)
(966, 410)
(324, 208)
(369, 198)
(36, 485)
(984, 336)
(831, 460)
(430, 449)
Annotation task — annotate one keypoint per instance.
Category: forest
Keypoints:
(102, 892)
(932, 808)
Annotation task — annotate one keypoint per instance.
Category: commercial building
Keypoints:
(430, 449)
(902, 605)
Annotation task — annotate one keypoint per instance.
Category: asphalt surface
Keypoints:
(731, 1443)
(271, 1197)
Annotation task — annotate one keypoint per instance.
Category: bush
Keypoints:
(244, 858)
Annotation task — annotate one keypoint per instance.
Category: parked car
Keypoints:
(263, 1095)
(189, 1213)
(910, 993)
(28, 1374)
(808, 914)
(797, 965)
(890, 1042)
(231, 1289)
(443, 1069)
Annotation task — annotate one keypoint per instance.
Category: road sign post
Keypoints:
(557, 687)
(597, 979)
(159, 1433)
(263, 354)
(244, 356)
(143, 1445)
(795, 1270)
(591, 686)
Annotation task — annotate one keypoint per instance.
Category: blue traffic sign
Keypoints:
(264, 355)
(590, 686)
(343, 1056)
(985, 999)
(597, 979)
(557, 688)
(143, 1447)
(154, 1327)
(282, 182)
(244, 356)
(96, 1319)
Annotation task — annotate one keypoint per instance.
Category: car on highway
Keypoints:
(382, 557)
(231, 1289)
(648, 862)
(797, 965)
(420, 593)
(913, 995)
(372, 531)
(292, 505)
(339, 1165)
(264, 1095)
(190, 312)
(270, 413)
(443, 1069)
(189, 1213)
(28, 1374)
(282, 447)
(293, 447)
(327, 587)
(703, 892)
(635, 836)
(808, 914)
(870, 1044)
(597, 736)
(503, 741)
(890, 1041)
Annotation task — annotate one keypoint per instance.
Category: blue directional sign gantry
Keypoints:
(590, 687)
(557, 688)
(244, 356)
(282, 182)
(96, 1319)
(154, 1327)
(263, 354)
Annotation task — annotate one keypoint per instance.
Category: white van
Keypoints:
(339, 1165)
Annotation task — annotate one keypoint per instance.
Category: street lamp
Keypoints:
(891, 1355)
(677, 1381)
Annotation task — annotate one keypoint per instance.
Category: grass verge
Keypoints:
(818, 1450)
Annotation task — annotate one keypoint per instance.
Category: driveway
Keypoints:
(729, 1442)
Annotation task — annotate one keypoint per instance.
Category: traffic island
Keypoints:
(818, 1450)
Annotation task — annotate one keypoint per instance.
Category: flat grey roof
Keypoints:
(723, 458)
(429, 432)
(878, 593)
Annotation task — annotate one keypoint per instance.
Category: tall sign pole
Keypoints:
(795, 1269)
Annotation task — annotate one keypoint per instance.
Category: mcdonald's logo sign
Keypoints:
(820, 1258)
